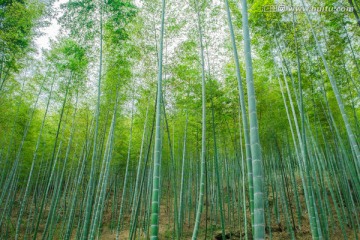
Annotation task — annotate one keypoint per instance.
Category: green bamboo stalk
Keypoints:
(181, 200)
(172, 168)
(56, 194)
(123, 195)
(244, 119)
(203, 132)
(259, 219)
(339, 100)
(27, 189)
(53, 158)
(77, 186)
(218, 185)
(107, 159)
(155, 205)
(90, 193)
(135, 202)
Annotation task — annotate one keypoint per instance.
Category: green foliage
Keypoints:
(68, 55)
(17, 22)
(113, 45)
(120, 14)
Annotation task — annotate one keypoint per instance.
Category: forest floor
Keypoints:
(277, 231)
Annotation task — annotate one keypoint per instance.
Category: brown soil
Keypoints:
(278, 231)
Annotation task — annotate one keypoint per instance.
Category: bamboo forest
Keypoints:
(190, 119)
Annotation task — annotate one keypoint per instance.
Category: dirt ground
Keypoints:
(277, 231)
